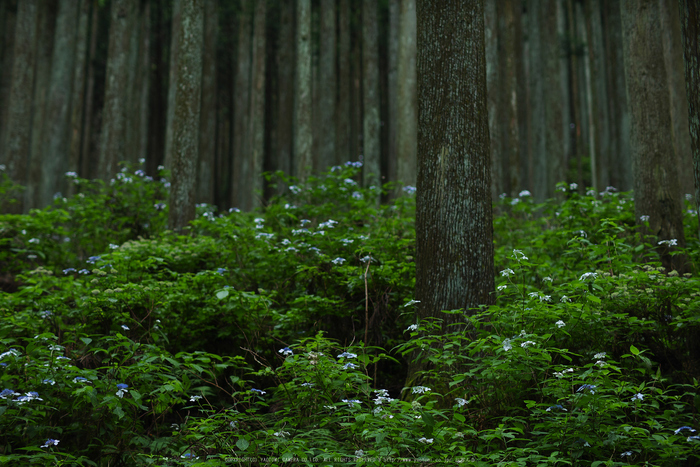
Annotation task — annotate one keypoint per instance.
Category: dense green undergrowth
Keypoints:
(283, 336)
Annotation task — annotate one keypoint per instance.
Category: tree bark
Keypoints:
(285, 91)
(78, 89)
(186, 116)
(343, 125)
(207, 136)
(241, 110)
(8, 37)
(86, 167)
(673, 58)
(18, 130)
(257, 110)
(113, 133)
(494, 95)
(303, 133)
(56, 135)
(407, 143)
(172, 82)
(391, 92)
(690, 27)
(454, 232)
(327, 85)
(655, 172)
(371, 169)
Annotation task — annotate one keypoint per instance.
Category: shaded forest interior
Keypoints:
(297, 85)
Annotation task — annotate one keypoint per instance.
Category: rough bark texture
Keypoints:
(17, 132)
(241, 108)
(536, 108)
(186, 116)
(390, 88)
(327, 82)
(407, 144)
(690, 25)
(454, 232)
(303, 135)
(86, 167)
(655, 173)
(55, 137)
(7, 34)
(371, 171)
(673, 57)
(113, 133)
(207, 124)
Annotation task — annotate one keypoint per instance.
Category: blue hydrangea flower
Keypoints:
(587, 387)
(51, 442)
(66, 271)
(259, 391)
(48, 381)
(556, 407)
(684, 428)
(347, 355)
(84, 271)
(122, 389)
(93, 259)
(8, 393)
(80, 379)
(349, 366)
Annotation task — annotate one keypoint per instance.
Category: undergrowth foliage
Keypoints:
(283, 336)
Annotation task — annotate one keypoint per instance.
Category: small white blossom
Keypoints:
(411, 302)
(338, 260)
(518, 254)
(461, 402)
(564, 299)
(419, 389)
(524, 193)
(501, 288)
(644, 218)
(507, 345)
(560, 324)
(413, 327)
(638, 397)
(507, 272)
(586, 275)
(672, 242)
(527, 344)
(599, 355)
(573, 186)
(547, 279)
(425, 440)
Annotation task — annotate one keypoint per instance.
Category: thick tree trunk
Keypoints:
(537, 100)
(18, 129)
(390, 88)
(56, 140)
(207, 135)
(327, 85)
(655, 172)
(371, 169)
(113, 133)
(454, 233)
(186, 117)
(690, 27)
(407, 142)
(303, 133)
(87, 169)
(8, 38)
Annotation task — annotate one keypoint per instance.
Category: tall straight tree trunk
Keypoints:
(207, 134)
(327, 85)
(407, 142)
(256, 121)
(494, 95)
(78, 88)
(285, 90)
(303, 133)
(371, 170)
(17, 131)
(673, 58)
(392, 118)
(42, 76)
(511, 35)
(554, 126)
(599, 93)
(241, 110)
(186, 117)
(8, 37)
(133, 88)
(113, 133)
(690, 27)
(343, 126)
(576, 106)
(656, 189)
(158, 87)
(56, 136)
(588, 123)
(172, 81)
(86, 169)
(537, 101)
(454, 230)
(620, 163)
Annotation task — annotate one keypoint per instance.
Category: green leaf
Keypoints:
(119, 412)
(634, 350)
(222, 294)
(242, 444)
(459, 417)
(86, 340)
